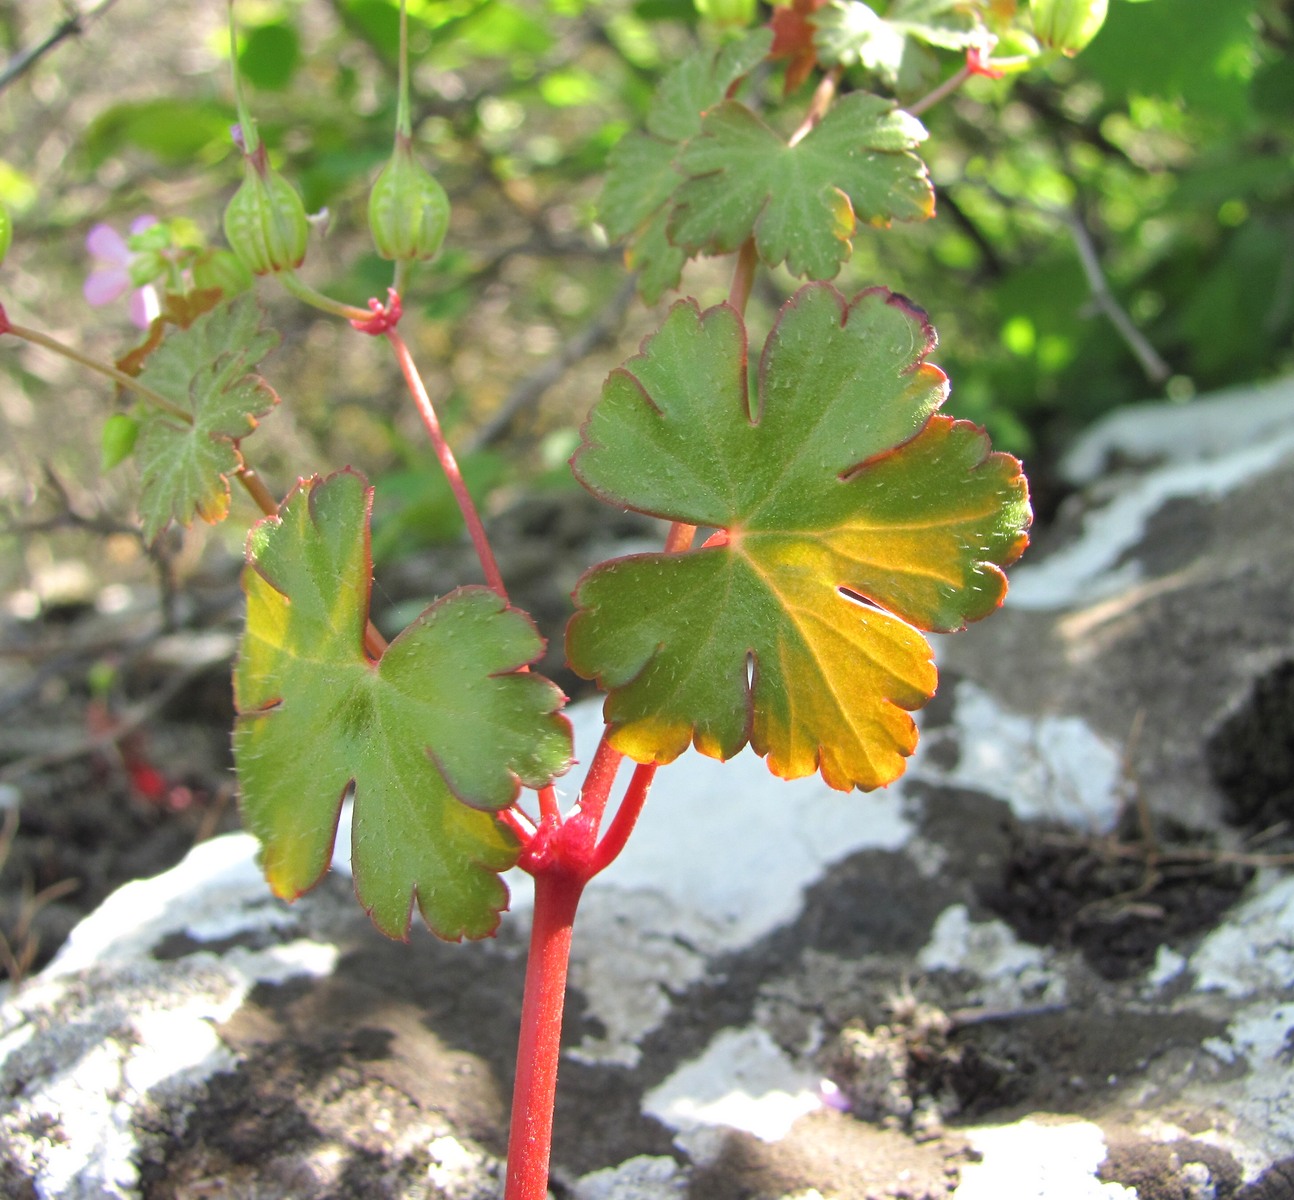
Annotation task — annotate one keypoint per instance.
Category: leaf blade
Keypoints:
(853, 515)
(434, 737)
(206, 370)
(799, 202)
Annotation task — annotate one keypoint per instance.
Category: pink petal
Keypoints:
(139, 224)
(105, 285)
(144, 306)
(106, 243)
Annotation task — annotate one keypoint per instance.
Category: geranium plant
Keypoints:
(844, 514)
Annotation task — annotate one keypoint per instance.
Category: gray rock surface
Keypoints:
(1053, 962)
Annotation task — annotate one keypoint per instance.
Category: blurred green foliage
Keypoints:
(1167, 147)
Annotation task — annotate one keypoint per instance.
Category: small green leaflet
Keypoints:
(640, 175)
(849, 513)
(890, 44)
(206, 370)
(436, 736)
(800, 202)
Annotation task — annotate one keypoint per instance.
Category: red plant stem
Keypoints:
(626, 817)
(679, 538)
(598, 781)
(743, 279)
(942, 92)
(255, 487)
(448, 464)
(548, 806)
(823, 95)
(517, 823)
(557, 895)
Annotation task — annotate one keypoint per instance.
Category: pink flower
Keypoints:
(110, 278)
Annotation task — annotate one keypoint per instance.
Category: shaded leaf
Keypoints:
(849, 513)
(205, 370)
(640, 174)
(436, 736)
(699, 82)
(801, 202)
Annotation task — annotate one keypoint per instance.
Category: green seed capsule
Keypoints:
(6, 232)
(408, 210)
(265, 222)
(1067, 25)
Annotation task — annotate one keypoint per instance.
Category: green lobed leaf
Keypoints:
(435, 736)
(206, 370)
(699, 82)
(801, 202)
(850, 514)
(641, 177)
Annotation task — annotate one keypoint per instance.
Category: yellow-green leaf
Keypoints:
(434, 737)
(850, 517)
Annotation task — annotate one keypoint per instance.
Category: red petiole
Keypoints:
(448, 463)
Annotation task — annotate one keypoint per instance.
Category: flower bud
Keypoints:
(408, 210)
(265, 222)
(120, 432)
(1067, 25)
(6, 232)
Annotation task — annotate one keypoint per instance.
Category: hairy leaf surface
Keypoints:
(206, 370)
(641, 178)
(849, 514)
(801, 202)
(435, 736)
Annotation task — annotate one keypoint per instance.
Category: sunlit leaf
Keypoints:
(206, 371)
(435, 736)
(801, 202)
(888, 43)
(850, 515)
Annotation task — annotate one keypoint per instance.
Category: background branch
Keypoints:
(73, 25)
(1156, 369)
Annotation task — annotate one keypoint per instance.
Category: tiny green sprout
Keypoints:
(117, 442)
(1067, 25)
(408, 210)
